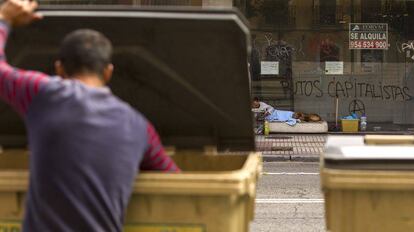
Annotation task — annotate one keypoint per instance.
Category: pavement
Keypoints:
(289, 198)
(291, 147)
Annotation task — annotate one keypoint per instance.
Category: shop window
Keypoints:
(409, 21)
(276, 12)
(280, 13)
(371, 11)
(327, 12)
(394, 12)
(329, 50)
(372, 56)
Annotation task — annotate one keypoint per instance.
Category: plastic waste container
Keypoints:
(367, 186)
(214, 193)
(186, 71)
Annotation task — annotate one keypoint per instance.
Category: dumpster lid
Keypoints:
(185, 70)
(350, 152)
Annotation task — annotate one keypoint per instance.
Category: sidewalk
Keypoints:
(291, 147)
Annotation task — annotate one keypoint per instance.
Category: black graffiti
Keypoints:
(305, 88)
(356, 106)
(349, 89)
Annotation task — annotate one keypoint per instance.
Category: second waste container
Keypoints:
(186, 71)
(368, 183)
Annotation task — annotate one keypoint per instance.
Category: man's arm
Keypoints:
(155, 157)
(17, 87)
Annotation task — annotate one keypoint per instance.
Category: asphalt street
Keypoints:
(289, 198)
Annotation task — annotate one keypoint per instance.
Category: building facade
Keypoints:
(308, 53)
(318, 55)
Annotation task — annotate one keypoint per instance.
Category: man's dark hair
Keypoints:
(85, 51)
(256, 99)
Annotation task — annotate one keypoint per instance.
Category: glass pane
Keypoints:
(361, 52)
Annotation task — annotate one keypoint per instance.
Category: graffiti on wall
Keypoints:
(280, 51)
(266, 48)
(349, 89)
(356, 106)
(274, 49)
(408, 49)
(277, 50)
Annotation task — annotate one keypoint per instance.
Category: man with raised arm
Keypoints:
(86, 144)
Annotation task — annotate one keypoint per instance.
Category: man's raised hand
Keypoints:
(19, 12)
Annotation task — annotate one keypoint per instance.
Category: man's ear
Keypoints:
(59, 69)
(107, 73)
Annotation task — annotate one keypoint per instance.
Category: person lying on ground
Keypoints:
(261, 106)
(86, 144)
(269, 110)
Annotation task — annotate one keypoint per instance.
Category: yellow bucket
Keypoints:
(350, 125)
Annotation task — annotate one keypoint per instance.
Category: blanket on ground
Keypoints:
(282, 116)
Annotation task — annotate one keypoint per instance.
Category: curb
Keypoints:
(292, 158)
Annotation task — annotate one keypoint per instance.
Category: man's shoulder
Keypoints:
(58, 90)
(132, 112)
(57, 85)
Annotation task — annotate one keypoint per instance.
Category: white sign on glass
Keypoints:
(269, 68)
(334, 67)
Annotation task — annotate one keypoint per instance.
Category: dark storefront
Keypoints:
(308, 52)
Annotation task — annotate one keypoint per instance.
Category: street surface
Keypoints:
(291, 147)
(289, 198)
